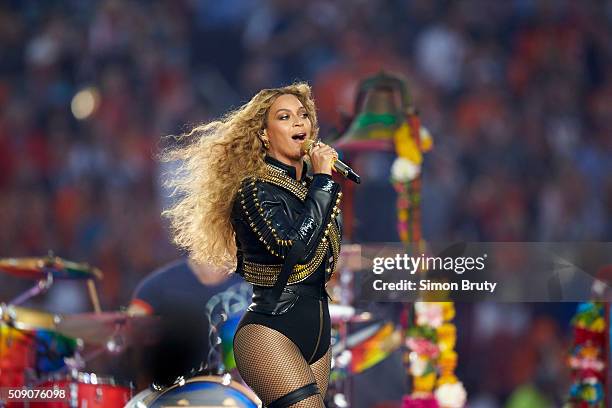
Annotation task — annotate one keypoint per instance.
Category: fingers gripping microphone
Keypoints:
(338, 165)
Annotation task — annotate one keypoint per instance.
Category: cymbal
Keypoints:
(99, 328)
(26, 319)
(36, 268)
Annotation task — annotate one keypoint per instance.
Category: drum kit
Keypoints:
(42, 350)
(45, 351)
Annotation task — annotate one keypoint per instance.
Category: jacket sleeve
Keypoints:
(269, 219)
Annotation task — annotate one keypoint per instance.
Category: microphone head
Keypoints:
(307, 145)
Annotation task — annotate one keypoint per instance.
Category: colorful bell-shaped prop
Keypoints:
(383, 113)
(380, 108)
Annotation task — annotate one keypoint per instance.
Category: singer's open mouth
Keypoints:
(299, 136)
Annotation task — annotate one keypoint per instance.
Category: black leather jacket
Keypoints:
(272, 212)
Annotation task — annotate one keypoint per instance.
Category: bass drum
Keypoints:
(85, 390)
(204, 391)
(140, 400)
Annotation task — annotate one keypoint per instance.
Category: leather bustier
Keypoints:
(272, 212)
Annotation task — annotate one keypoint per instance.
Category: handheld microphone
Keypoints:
(338, 165)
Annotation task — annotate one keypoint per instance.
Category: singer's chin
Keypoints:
(297, 157)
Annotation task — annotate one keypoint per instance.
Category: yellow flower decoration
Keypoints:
(447, 361)
(447, 379)
(448, 309)
(447, 336)
(405, 146)
(425, 383)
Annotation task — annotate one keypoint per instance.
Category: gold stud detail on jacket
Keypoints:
(266, 275)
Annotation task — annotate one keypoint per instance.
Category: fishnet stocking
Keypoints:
(272, 365)
(320, 369)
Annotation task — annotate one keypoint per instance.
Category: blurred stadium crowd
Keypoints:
(517, 94)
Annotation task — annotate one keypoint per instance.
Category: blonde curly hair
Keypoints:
(214, 159)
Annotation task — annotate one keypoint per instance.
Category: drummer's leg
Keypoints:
(321, 369)
(273, 366)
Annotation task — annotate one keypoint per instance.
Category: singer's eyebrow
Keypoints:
(289, 110)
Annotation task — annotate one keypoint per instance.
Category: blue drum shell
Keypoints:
(206, 391)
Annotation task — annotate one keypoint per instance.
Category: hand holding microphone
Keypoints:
(324, 158)
(321, 156)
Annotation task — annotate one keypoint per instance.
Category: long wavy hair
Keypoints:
(214, 159)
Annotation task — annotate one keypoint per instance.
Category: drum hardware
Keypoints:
(41, 287)
(46, 270)
(112, 330)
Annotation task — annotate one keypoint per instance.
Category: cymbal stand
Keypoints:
(42, 286)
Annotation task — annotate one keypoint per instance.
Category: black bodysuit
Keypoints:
(270, 213)
(307, 323)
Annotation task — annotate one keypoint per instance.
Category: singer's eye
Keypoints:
(305, 115)
(283, 117)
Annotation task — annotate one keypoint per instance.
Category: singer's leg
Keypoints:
(273, 366)
(321, 369)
